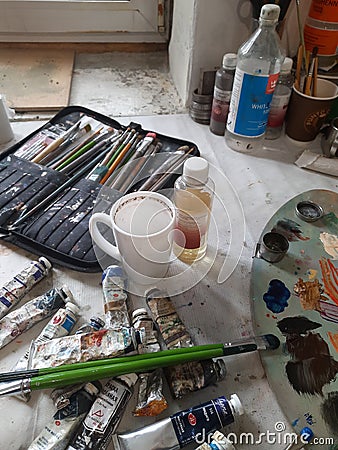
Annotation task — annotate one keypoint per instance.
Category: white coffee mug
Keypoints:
(142, 223)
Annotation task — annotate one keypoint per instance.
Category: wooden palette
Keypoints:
(296, 299)
(36, 79)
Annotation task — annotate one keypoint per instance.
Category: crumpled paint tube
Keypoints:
(15, 289)
(85, 347)
(115, 298)
(32, 312)
(96, 429)
(59, 325)
(188, 377)
(56, 435)
(150, 400)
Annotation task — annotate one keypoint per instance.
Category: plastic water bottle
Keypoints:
(280, 101)
(222, 92)
(259, 62)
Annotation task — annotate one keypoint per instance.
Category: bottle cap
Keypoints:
(196, 169)
(97, 323)
(45, 262)
(66, 292)
(229, 60)
(92, 388)
(220, 369)
(130, 379)
(73, 308)
(287, 65)
(236, 405)
(221, 441)
(139, 313)
(270, 12)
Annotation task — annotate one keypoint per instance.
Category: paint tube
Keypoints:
(22, 319)
(15, 289)
(182, 428)
(85, 347)
(115, 298)
(171, 327)
(150, 400)
(94, 324)
(195, 375)
(105, 414)
(219, 442)
(59, 325)
(188, 377)
(56, 435)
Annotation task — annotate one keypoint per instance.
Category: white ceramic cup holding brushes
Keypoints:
(142, 223)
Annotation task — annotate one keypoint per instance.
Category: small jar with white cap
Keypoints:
(193, 195)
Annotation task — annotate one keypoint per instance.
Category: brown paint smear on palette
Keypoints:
(311, 366)
(329, 410)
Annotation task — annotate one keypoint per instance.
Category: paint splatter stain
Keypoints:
(329, 410)
(311, 366)
(297, 325)
(276, 298)
(330, 244)
(330, 278)
(290, 229)
(311, 273)
(309, 293)
(334, 340)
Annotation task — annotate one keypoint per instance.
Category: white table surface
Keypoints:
(213, 312)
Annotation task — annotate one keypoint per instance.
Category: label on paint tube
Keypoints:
(57, 433)
(115, 298)
(15, 289)
(22, 319)
(85, 347)
(104, 415)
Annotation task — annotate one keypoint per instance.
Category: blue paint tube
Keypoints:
(104, 416)
(32, 312)
(115, 298)
(56, 434)
(16, 288)
(182, 428)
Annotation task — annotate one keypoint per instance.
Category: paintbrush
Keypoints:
(297, 83)
(55, 144)
(309, 77)
(53, 377)
(301, 35)
(55, 193)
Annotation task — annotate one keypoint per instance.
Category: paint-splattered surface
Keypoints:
(297, 300)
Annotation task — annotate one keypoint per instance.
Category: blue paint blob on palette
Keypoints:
(297, 300)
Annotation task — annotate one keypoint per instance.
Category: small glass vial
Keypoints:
(193, 195)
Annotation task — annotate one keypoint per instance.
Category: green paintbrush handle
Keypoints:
(66, 378)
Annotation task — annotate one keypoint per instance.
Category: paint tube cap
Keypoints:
(45, 262)
(222, 442)
(220, 369)
(73, 308)
(138, 313)
(196, 169)
(93, 388)
(66, 293)
(97, 323)
(236, 405)
(114, 271)
(129, 379)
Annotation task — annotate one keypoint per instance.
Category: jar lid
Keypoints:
(196, 169)
(229, 60)
(287, 65)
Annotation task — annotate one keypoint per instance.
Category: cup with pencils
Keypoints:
(311, 100)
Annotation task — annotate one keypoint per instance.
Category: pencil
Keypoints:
(53, 377)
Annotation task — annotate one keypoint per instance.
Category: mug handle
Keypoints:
(97, 237)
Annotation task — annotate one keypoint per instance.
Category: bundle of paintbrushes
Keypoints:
(50, 180)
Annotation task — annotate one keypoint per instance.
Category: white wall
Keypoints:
(203, 30)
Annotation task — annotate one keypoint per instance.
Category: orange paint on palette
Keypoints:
(329, 275)
(334, 340)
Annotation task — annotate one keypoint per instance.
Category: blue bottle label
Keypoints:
(197, 422)
(250, 103)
